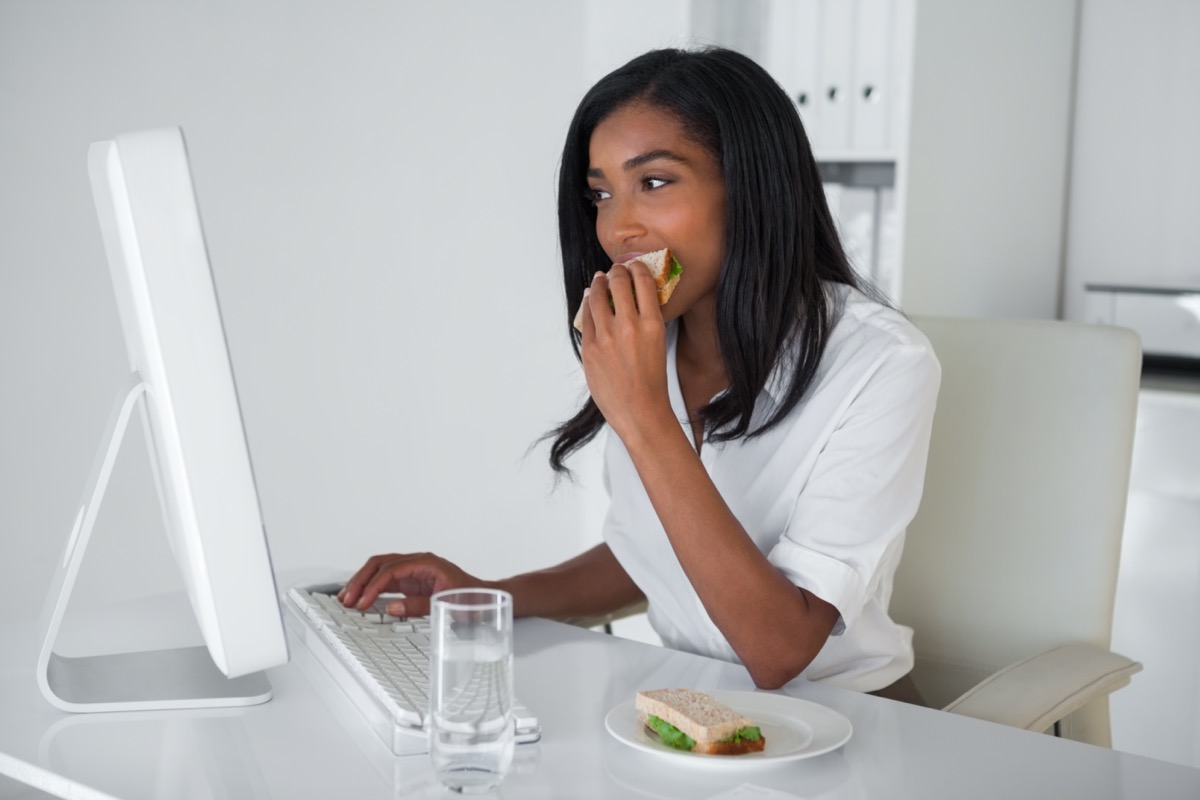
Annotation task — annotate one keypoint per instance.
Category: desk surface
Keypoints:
(308, 742)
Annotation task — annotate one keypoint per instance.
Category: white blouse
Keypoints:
(826, 495)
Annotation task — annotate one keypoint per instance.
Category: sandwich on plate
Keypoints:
(695, 721)
(663, 267)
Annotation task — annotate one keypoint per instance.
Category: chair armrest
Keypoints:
(1043, 689)
(606, 619)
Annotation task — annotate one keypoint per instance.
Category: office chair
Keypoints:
(1009, 569)
(605, 621)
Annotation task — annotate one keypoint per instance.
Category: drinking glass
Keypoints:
(471, 691)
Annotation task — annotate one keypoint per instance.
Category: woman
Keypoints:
(770, 421)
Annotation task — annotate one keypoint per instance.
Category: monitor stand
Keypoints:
(154, 679)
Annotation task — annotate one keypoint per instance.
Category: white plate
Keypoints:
(793, 728)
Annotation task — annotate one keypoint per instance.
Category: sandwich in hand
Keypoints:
(695, 721)
(663, 267)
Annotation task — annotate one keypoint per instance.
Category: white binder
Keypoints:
(837, 68)
(792, 55)
(872, 97)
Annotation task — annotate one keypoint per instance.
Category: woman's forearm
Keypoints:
(591, 584)
(746, 597)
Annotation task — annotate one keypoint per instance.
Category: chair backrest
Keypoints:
(1016, 545)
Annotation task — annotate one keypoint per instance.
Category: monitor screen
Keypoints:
(182, 376)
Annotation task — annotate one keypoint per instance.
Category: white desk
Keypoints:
(306, 743)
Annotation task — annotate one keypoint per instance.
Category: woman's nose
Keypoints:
(624, 224)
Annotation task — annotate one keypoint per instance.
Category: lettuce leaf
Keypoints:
(748, 734)
(669, 734)
(676, 268)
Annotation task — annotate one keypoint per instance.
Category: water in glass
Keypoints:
(471, 726)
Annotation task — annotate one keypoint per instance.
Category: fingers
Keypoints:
(416, 576)
(352, 591)
(408, 574)
(415, 606)
(622, 292)
(620, 286)
(645, 291)
(599, 312)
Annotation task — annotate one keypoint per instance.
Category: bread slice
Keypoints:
(701, 717)
(659, 263)
(737, 748)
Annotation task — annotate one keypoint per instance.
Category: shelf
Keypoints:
(858, 173)
(1140, 288)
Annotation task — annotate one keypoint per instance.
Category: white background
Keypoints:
(1134, 198)
(377, 184)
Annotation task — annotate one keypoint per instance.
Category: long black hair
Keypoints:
(781, 245)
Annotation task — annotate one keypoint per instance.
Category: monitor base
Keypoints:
(156, 679)
(153, 679)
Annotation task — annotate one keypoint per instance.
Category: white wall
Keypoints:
(610, 39)
(989, 139)
(377, 184)
(1135, 179)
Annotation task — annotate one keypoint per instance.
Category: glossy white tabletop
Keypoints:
(309, 742)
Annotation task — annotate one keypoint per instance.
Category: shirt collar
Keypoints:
(780, 378)
(776, 385)
(774, 388)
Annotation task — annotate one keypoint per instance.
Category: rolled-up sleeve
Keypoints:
(847, 527)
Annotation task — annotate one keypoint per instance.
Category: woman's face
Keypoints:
(653, 187)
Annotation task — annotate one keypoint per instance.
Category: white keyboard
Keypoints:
(380, 663)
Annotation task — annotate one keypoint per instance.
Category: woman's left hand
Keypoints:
(624, 351)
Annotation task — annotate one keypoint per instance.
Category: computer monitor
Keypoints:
(182, 380)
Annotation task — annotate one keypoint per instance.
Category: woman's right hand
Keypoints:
(417, 576)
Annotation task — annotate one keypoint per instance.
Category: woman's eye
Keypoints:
(596, 195)
(654, 183)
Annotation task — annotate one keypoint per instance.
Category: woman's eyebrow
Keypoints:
(639, 160)
(653, 155)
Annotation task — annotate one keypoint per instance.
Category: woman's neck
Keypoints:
(698, 349)
(698, 366)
